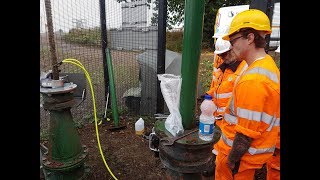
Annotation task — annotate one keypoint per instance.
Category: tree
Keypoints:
(175, 15)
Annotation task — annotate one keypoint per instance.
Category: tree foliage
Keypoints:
(175, 14)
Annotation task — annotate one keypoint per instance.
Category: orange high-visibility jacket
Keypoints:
(217, 61)
(254, 110)
(222, 86)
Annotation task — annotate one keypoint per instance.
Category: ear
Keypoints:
(250, 38)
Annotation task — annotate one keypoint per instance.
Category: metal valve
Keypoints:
(154, 142)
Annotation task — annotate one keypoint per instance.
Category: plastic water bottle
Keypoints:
(206, 118)
(139, 126)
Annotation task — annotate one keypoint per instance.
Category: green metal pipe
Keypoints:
(114, 106)
(66, 156)
(192, 37)
(64, 136)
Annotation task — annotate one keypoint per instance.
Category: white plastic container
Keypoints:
(139, 126)
(206, 119)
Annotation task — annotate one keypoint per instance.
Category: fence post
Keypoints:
(104, 44)
(161, 50)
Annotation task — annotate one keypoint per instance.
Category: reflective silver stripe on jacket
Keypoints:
(256, 116)
(275, 122)
(230, 118)
(231, 106)
(259, 70)
(251, 150)
(253, 116)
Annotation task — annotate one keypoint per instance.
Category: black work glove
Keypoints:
(236, 168)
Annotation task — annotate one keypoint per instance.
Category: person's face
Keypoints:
(238, 45)
(228, 57)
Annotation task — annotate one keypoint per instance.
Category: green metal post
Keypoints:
(188, 158)
(192, 38)
(113, 96)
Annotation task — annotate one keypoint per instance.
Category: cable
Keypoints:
(78, 63)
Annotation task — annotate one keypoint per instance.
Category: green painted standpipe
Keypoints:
(113, 96)
(64, 136)
(65, 159)
(192, 38)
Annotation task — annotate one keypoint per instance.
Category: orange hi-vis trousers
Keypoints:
(273, 166)
(223, 172)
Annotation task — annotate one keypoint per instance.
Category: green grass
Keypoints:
(121, 73)
(174, 41)
(205, 73)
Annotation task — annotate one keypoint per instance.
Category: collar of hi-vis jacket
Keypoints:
(232, 66)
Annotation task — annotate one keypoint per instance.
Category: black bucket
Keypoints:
(187, 155)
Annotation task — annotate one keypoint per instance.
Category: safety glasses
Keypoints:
(222, 55)
(234, 40)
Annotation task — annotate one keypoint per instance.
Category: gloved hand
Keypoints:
(234, 167)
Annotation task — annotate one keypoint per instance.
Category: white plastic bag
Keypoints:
(170, 86)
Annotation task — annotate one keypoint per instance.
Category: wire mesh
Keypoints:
(132, 38)
(133, 43)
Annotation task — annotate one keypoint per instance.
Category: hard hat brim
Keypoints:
(220, 52)
(227, 36)
(218, 35)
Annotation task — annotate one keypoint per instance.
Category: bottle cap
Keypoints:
(207, 97)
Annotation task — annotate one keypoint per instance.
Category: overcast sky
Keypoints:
(66, 13)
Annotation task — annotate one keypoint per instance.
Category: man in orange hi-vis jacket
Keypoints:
(273, 165)
(251, 122)
(226, 70)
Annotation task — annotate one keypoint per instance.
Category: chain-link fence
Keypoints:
(132, 36)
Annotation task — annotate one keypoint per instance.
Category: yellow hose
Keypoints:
(78, 63)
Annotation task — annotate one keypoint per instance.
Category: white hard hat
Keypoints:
(221, 46)
(221, 31)
(278, 49)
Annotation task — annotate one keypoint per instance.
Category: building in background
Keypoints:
(137, 13)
